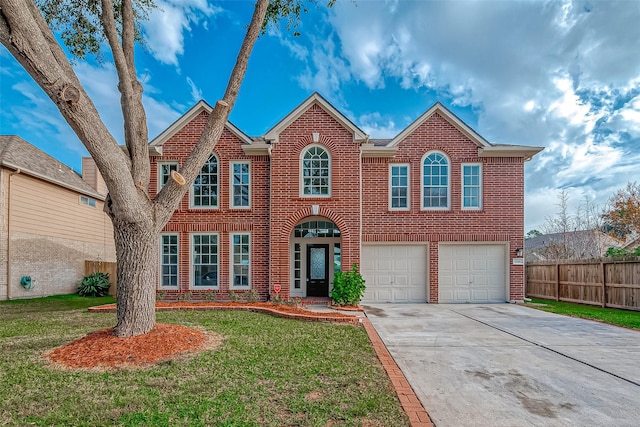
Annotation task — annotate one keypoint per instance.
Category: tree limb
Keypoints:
(135, 121)
(171, 194)
(25, 34)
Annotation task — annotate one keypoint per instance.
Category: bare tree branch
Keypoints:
(135, 123)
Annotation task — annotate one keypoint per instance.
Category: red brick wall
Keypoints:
(288, 207)
(222, 220)
(277, 205)
(500, 220)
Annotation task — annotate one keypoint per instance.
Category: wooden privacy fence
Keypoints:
(608, 283)
(103, 267)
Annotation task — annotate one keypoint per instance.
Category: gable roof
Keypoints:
(485, 148)
(18, 154)
(315, 99)
(155, 146)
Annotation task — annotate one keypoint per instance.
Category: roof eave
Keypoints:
(370, 150)
(25, 171)
(450, 117)
(257, 149)
(274, 133)
(155, 146)
(526, 152)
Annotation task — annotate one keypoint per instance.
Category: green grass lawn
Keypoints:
(625, 318)
(267, 372)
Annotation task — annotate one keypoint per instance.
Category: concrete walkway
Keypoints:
(509, 365)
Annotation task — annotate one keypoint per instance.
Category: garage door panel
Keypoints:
(398, 273)
(472, 273)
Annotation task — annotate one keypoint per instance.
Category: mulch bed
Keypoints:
(102, 350)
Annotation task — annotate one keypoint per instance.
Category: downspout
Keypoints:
(16, 172)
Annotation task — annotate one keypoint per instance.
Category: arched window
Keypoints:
(204, 191)
(316, 167)
(435, 181)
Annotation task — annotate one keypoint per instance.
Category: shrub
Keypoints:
(619, 252)
(94, 285)
(348, 287)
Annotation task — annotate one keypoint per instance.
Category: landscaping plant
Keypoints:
(348, 287)
(94, 285)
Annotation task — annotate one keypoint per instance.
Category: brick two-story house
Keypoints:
(435, 214)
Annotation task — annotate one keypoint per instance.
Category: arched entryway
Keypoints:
(315, 255)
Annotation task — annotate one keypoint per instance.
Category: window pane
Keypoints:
(435, 181)
(241, 179)
(205, 267)
(471, 190)
(169, 257)
(315, 172)
(241, 261)
(205, 187)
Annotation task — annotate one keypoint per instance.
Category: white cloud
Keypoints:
(377, 126)
(558, 74)
(196, 93)
(168, 24)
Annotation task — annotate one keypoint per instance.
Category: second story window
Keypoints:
(240, 185)
(316, 167)
(435, 181)
(399, 187)
(471, 186)
(164, 173)
(204, 191)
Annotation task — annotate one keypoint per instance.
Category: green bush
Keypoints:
(616, 252)
(94, 285)
(348, 287)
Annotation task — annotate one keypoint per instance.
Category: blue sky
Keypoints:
(560, 74)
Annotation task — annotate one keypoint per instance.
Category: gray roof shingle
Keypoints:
(17, 153)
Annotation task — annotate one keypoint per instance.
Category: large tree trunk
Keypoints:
(136, 219)
(137, 255)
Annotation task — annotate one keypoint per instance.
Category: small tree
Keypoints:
(623, 217)
(580, 234)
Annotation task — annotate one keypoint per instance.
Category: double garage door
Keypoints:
(466, 273)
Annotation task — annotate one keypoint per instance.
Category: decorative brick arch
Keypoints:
(305, 141)
(301, 214)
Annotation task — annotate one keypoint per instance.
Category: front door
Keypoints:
(318, 270)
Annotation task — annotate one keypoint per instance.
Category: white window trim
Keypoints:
(160, 164)
(232, 265)
(88, 201)
(191, 195)
(462, 186)
(301, 176)
(192, 285)
(231, 194)
(160, 286)
(408, 166)
(448, 207)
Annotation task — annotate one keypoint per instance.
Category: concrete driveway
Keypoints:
(509, 365)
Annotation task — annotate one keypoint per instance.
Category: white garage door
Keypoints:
(395, 273)
(471, 273)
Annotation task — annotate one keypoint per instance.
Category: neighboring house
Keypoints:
(51, 221)
(433, 215)
(581, 244)
(631, 243)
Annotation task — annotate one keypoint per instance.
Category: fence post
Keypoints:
(603, 276)
(557, 282)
